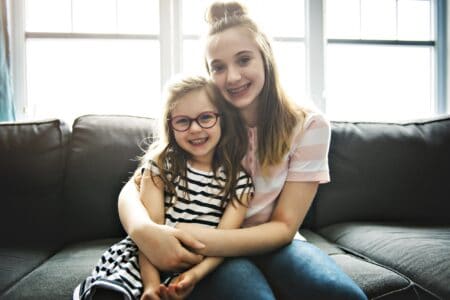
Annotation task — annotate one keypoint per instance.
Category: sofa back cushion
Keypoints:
(387, 172)
(32, 159)
(102, 157)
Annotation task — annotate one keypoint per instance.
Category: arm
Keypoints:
(150, 278)
(152, 197)
(290, 210)
(181, 287)
(161, 244)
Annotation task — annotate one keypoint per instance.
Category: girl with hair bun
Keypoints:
(287, 158)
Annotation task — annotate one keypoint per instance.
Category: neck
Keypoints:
(250, 115)
(202, 165)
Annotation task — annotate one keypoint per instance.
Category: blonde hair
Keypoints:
(277, 114)
(172, 160)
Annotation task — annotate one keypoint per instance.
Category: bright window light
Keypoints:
(69, 78)
(379, 82)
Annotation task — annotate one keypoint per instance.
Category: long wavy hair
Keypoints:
(172, 160)
(277, 114)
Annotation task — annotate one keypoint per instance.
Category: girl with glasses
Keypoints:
(192, 174)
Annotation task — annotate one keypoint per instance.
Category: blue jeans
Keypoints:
(297, 271)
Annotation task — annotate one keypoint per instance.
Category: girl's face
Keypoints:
(236, 67)
(199, 142)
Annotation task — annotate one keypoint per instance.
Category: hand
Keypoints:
(166, 247)
(150, 294)
(179, 288)
(137, 180)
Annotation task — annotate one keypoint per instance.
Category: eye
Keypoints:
(206, 118)
(181, 121)
(244, 60)
(217, 68)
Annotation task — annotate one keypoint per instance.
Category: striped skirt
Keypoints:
(118, 270)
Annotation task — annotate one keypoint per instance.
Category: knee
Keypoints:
(236, 278)
(341, 287)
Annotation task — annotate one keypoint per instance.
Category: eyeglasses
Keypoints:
(205, 120)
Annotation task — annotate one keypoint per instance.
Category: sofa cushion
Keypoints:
(420, 253)
(386, 172)
(376, 281)
(16, 262)
(57, 277)
(32, 161)
(103, 155)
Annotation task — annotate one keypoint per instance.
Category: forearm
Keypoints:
(291, 209)
(243, 241)
(205, 267)
(149, 273)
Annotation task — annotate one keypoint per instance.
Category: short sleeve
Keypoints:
(308, 158)
(244, 185)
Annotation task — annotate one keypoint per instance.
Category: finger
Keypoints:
(137, 180)
(163, 292)
(189, 241)
(173, 292)
(190, 258)
(183, 283)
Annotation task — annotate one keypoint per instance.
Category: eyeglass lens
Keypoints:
(205, 120)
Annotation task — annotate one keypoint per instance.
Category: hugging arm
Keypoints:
(181, 287)
(162, 245)
(290, 211)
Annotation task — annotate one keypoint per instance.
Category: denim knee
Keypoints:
(235, 278)
(300, 270)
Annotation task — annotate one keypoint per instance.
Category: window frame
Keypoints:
(171, 51)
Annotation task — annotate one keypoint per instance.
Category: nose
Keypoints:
(194, 126)
(234, 75)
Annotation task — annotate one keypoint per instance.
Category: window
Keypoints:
(380, 59)
(356, 59)
(91, 56)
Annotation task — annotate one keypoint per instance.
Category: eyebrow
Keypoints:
(236, 55)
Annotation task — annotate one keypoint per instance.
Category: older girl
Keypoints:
(287, 159)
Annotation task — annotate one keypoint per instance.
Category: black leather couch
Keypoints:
(385, 217)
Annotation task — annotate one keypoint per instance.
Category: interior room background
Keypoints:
(376, 60)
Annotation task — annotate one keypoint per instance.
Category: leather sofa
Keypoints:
(384, 218)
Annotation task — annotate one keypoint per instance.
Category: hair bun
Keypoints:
(223, 10)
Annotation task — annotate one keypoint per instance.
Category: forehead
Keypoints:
(228, 43)
(193, 103)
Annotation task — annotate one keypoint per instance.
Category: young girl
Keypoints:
(287, 159)
(192, 175)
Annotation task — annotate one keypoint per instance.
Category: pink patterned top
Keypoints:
(307, 160)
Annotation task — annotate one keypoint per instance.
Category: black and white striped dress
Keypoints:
(199, 203)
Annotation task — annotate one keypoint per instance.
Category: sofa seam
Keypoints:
(366, 258)
(410, 285)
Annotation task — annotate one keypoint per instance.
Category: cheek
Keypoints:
(178, 137)
(216, 132)
(218, 80)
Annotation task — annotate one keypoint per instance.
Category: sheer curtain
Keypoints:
(6, 98)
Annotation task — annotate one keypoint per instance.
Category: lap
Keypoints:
(235, 278)
(302, 269)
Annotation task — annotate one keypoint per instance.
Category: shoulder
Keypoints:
(243, 176)
(244, 183)
(313, 127)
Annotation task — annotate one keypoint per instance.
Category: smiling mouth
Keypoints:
(199, 141)
(239, 90)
